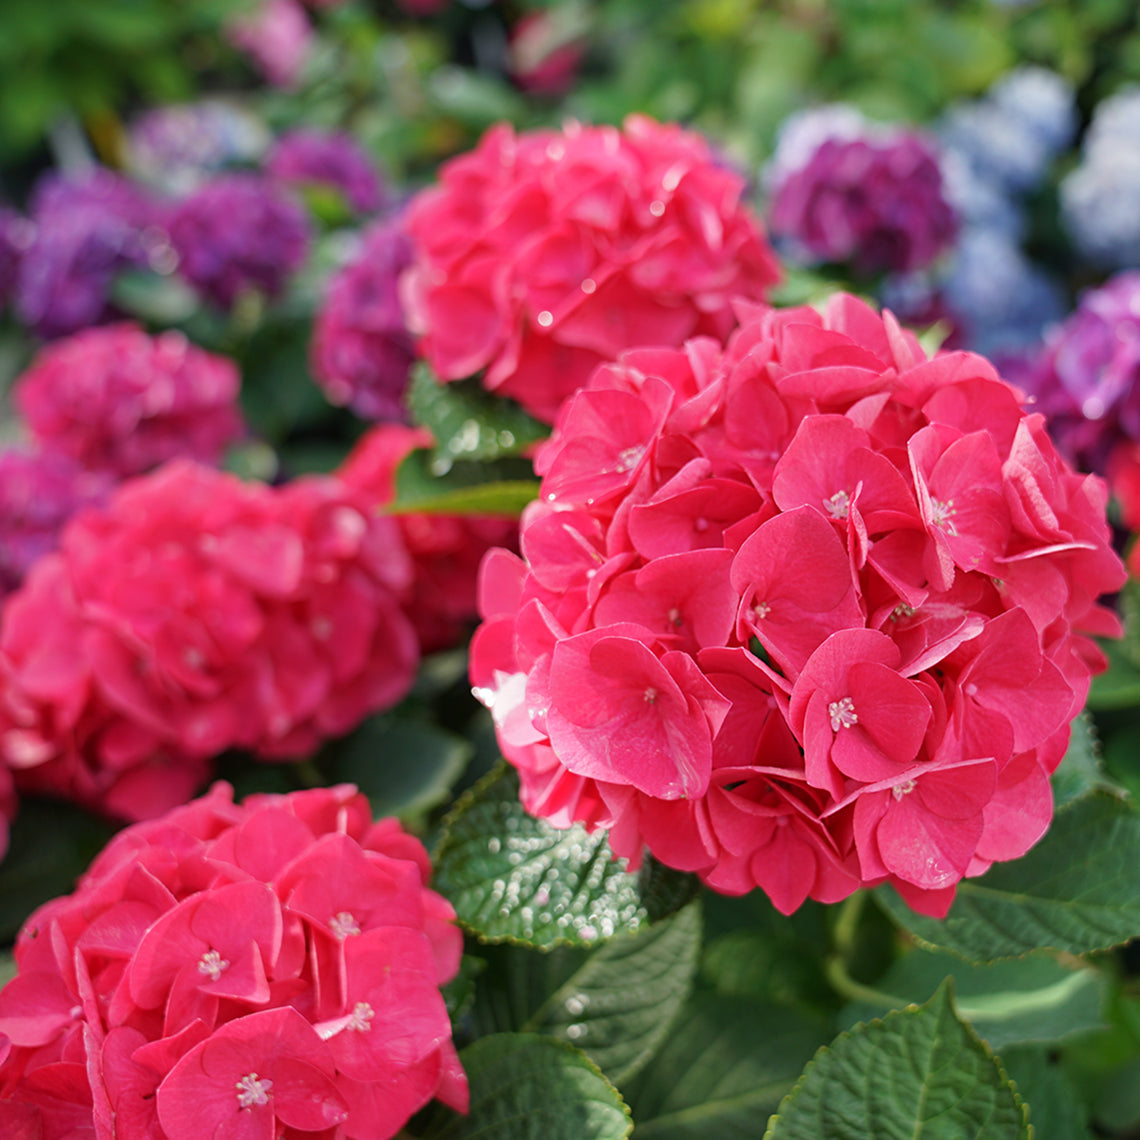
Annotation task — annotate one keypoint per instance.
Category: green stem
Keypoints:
(835, 970)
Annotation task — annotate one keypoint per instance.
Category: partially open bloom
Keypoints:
(541, 254)
(196, 613)
(846, 191)
(808, 612)
(361, 349)
(445, 549)
(117, 400)
(239, 232)
(331, 159)
(253, 970)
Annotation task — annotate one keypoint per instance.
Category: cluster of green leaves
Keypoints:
(682, 1014)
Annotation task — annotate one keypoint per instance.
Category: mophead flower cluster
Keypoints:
(117, 400)
(540, 255)
(261, 970)
(193, 614)
(807, 613)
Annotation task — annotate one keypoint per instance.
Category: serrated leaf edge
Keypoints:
(947, 984)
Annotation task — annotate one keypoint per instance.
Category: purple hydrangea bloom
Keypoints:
(874, 199)
(329, 158)
(237, 233)
(177, 148)
(87, 229)
(361, 349)
(39, 492)
(1087, 378)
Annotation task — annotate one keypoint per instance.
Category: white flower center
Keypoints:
(343, 925)
(942, 514)
(903, 789)
(252, 1090)
(629, 458)
(761, 610)
(838, 505)
(650, 696)
(211, 965)
(361, 1017)
(842, 713)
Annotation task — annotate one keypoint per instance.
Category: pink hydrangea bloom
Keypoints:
(540, 255)
(361, 349)
(278, 37)
(257, 970)
(193, 614)
(446, 549)
(804, 613)
(117, 400)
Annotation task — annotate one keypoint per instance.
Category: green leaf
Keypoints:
(1119, 687)
(722, 1071)
(1076, 891)
(405, 767)
(919, 1074)
(1054, 1110)
(514, 878)
(1081, 771)
(50, 846)
(526, 1087)
(619, 1005)
(1015, 1002)
(467, 421)
(502, 487)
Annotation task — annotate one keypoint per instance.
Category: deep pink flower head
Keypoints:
(117, 400)
(39, 492)
(193, 614)
(541, 254)
(546, 50)
(1086, 379)
(236, 233)
(871, 197)
(807, 612)
(329, 158)
(361, 348)
(254, 970)
(446, 549)
(278, 37)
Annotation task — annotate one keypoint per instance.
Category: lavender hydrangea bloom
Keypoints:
(87, 229)
(874, 199)
(329, 158)
(16, 234)
(362, 350)
(177, 148)
(999, 299)
(39, 492)
(239, 232)
(1087, 378)
(1010, 137)
(1098, 199)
